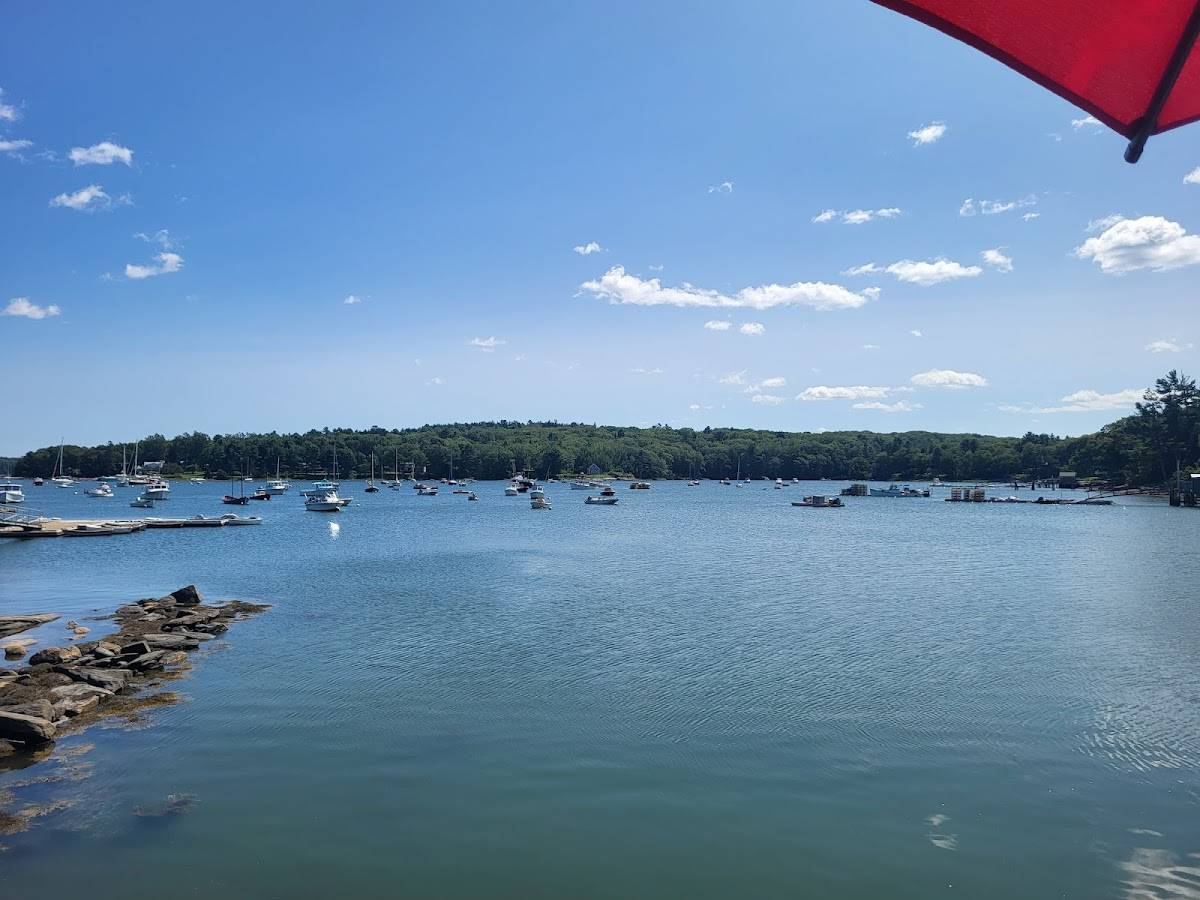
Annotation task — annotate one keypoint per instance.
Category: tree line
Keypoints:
(1150, 446)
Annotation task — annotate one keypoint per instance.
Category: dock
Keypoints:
(20, 523)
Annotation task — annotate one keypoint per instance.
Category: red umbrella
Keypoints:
(1133, 64)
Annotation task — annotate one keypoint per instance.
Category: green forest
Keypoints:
(1161, 438)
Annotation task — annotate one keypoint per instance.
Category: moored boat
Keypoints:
(539, 503)
(11, 492)
(101, 490)
(819, 501)
(601, 501)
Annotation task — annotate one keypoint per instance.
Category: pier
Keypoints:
(24, 523)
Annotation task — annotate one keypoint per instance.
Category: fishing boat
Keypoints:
(101, 490)
(818, 501)
(600, 501)
(260, 494)
(158, 490)
(142, 502)
(323, 499)
(511, 491)
(232, 519)
(10, 492)
(536, 492)
(539, 503)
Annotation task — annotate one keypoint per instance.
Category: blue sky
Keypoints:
(204, 188)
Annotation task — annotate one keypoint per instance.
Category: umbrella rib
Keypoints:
(1149, 121)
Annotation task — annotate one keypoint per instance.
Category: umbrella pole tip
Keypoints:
(1134, 151)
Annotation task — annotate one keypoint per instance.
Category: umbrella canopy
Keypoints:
(1133, 64)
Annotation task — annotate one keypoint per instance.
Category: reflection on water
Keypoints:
(699, 692)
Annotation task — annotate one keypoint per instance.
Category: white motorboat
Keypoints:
(539, 503)
(142, 502)
(779, 484)
(580, 486)
(601, 501)
(639, 486)
(101, 490)
(11, 492)
(537, 492)
(427, 490)
(232, 519)
(322, 501)
(471, 495)
(511, 491)
(159, 490)
(693, 483)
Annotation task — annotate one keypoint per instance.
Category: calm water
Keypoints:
(700, 692)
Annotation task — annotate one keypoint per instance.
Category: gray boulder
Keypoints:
(170, 642)
(186, 596)
(27, 729)
(55, 656)
(110, 679)
(79, 691)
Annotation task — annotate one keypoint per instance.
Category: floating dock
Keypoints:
(24, 524)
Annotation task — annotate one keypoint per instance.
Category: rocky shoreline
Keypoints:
(63, 690)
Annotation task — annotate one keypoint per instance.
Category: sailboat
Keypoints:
(59, 478)
(278, 486)
(241, 499)
(370, 488)
(136, 477)
(123, 478)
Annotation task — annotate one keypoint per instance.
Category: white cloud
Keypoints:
(621, 288)
(487, 344)
(753, 328)
(848, 392)
(167, 263)
(1103, 223)
(8, 112)
(1167, 346)
(915, 332)
(928, 134)
(588, 249)
(857, 216)
(104, 153)
(1083, 401)
(640, 370)
(773, 384)
(1192, 177)
(736, 378)
(767, 399)
(23, 308)
(1089, 122)
(436, 380)
(870, 346)
(898, 407)
(17, 146)
(948, 378)
(993, 207)
(925, 274)
(162, 237)
(718, 325)
(725, 187)
(1149, 242)
(352, 300)
(997, 260)
(1029, 217)
(88, 199)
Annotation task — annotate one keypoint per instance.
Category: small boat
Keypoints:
(601, 501)
(892, 490)
(207, 521)
(323, 500)
(937, 482)
(10, 492)
(819, 501)
(726, 482)
(608, 491)
(59, 477)
(235, 501)
(639, 485)
(231, 519)
(580, 486)
(101, 490)
(142, 502)
(460, 491)
(693, 483)
(537, 492)
(427, 490)
(89, 529)
(471, 495)
(511, 491)
(39, 481)
(779, 484)
(260, 494)
(539, 503)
